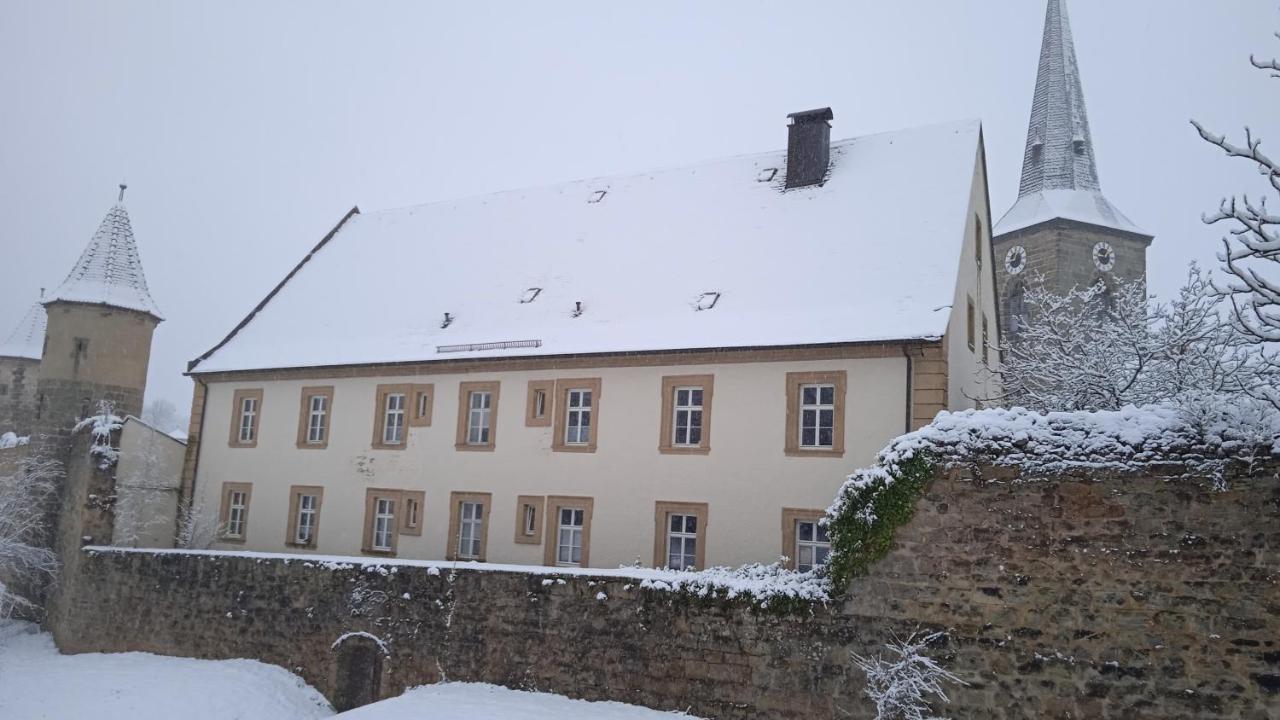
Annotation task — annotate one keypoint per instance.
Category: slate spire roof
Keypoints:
(27, 340)
(1059, 168)
(109, 271)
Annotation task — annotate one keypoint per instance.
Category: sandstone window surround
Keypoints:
(385, 519)
(568, 534)
(679, 535)
(315, 417)
(970, 321)
(815, 422)
(422, 404)
(468, 526)
(529, 513)
(246, 417)
(390, 412)
(977, 241)
(686, 414)
(478, 415)
(233, 512)
(538, 407)
(411, 517)
(304, 516)
(804, 541)
(577, 415)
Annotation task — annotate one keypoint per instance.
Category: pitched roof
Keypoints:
(1059, 169)
(27, 339)
(109, 271)
(870, 255)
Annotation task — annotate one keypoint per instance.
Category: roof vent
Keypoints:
(808, 147)
(577, 308)
(767, 175)
(530, 295)
(448, 320)
(707, 300)
(597, 196)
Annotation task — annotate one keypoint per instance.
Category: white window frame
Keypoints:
(530, 526)
(686, 540)
(237, 504)
(817, 408)
(411, 510)
(688, 411)
(470, 529)
(577, 418)
(424, 401)
(317, 419)
(384, 524)
(248, 419)
(811, 548)
(305, 528)
(575, 533)
(393, 419)
(479, 417)
(539, 403)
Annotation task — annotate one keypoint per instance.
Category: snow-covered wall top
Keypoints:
(870, 255)
(27, 340)
(109, 271)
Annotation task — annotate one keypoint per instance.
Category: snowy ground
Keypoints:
(37, 683)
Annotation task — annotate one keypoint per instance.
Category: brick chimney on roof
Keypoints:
(808, 147)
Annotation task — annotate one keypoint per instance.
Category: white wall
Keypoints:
(968, 378)
(147, 480)
(746, 479)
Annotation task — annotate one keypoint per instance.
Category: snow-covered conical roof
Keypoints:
(109, 271)
(27, 340)
(1059, 169)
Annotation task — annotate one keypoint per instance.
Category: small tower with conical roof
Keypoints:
(20, 371)
(98, 339)
(1061, 228)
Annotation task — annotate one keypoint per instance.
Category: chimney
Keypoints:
(808, 147)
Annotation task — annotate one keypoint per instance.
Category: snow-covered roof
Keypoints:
(109, 271)
(1059, 169)
(870, 255)
(27, 339)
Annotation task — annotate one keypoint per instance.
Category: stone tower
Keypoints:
(20, 371)
(1061, 228)
(98, 338)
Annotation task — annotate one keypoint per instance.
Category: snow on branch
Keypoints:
(103, 426)
(901, 685)
(27, 567)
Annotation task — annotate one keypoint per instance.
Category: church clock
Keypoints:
(1015, 261)
(1104, 256)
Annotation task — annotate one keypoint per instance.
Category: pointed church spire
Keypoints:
(109, 271)
(1059, 170)
(27, 340)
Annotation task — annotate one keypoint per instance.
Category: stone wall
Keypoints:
(18, 379)
(1125, 597)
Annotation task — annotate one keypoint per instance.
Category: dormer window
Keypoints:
(530, 295)
(767, 175)
(1078, 146)
(707, 300)
(597, 196)
(1037, 152)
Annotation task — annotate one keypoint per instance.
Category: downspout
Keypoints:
(911, 367)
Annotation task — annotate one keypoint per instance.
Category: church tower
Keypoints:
(1061, 228)
(98, 338)
(20, 371)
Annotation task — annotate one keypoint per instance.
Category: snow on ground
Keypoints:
(37, 682)
(478, 701)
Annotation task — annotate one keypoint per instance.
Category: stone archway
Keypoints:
(357, 673)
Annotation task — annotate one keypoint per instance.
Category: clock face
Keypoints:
(1104, 256)
(1015, 261)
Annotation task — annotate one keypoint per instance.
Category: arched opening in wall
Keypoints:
(1106, 297)
(1016, 305)
(357, 671)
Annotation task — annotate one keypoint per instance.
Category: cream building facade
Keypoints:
(674, 368)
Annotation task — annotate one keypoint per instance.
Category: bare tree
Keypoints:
(1251, 249)
(163, 416)
(196, 530)
(27, 567)
(901, 685)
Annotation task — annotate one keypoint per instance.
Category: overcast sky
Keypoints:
(246, 129)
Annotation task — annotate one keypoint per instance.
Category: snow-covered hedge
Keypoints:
(11, 440)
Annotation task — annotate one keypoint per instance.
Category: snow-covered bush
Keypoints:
(104, 425)
(11, 440)
(901, 685)
(768, 587)
(1101, 348)
(27, 567)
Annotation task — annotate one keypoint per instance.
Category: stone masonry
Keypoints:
(1115, 597)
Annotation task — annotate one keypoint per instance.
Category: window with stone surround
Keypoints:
(233, 515)
(246, 417)
(816, 413)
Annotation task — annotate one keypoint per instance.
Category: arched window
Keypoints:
(1016, 305)
(1106, 296)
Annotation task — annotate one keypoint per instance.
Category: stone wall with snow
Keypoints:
(1112, 595)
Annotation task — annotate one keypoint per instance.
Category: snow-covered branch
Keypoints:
(27, 567)
(901, 685)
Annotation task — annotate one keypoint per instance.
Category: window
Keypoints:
(686, 414)
(468, 526)
(391, 415)
(977, 241)
(393, 424)
(815, 413)
(423, 398)
(812, 544)
(411, 519)
(314, 416)
(382, 512)
(986, 340)
(817, 416)
(537, 412)
(578, 419)
(233, 517)
(529, 519)
(577, 415)
(384, 523)
(477, 415)
(804, 538)
(304, 515)
(1016, 303)
(969, 325)
(679, 532)
(568, 540)
(246, 417)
